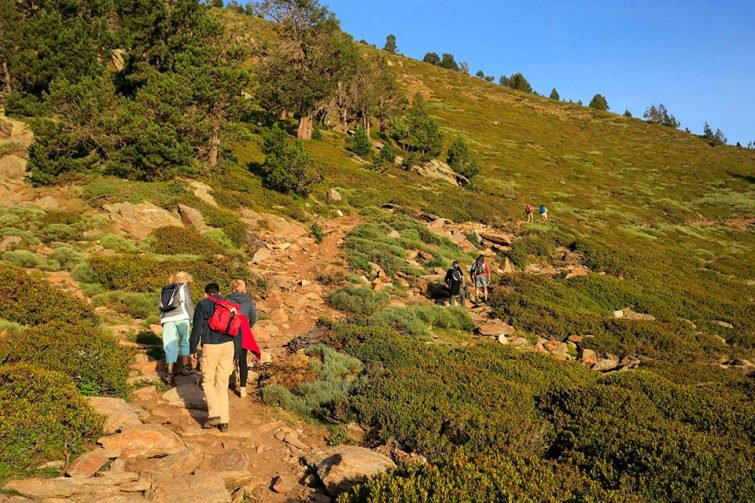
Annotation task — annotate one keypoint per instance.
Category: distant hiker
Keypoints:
(244, 341)
(480, 274)
(455, 283)
(529, 210)
(176, 312)
(543, 213)
(215, 326)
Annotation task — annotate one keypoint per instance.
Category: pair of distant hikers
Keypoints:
(221, 326)
(479, 274)
(529, 210)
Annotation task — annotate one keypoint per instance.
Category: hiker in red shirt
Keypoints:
(480, 274)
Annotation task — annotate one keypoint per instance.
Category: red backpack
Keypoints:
(225, 319)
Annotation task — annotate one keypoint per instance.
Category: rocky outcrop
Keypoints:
(339, 468)
(200, 487)
(333, 196)
(189, 396)
(141, 219)
(90, 462)
(118, 414)
(191, 217)
(146, 440)
(441, 171)
(494, 328)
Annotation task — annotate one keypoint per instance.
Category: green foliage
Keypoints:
(599, 102)
(460, 159)
(317, 232)
(287, 167)
(334, 375)
(432, 58)
(117, 242)
(627, 114)
(388, 154)
(642, 434)
(390, 44)
(29, 260)
(183, 241)
(135, 305)
(361, 145)
(416, 319)
(424, 132)
(94, 361)
(358, 299)
(43, 418)
(517, 81)
(659, 115)
(714, 139)
(448, 62)
(554, 95)
(495, 477)
(33, 301)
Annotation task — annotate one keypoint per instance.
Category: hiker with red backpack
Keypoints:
(480, 276)
(176, 312)
(529, 210)
(217, 321)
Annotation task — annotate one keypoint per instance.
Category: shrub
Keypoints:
(496, 477)
(317, 232)
(416, 319)
(136, 305)
(67, 257)
(287, 167)
(43, 417)
(117, 242)
(94, 361)
(183, 241)
(358, 299)
(33, 301)
(361, 145)
(388, 154)
(29, 260)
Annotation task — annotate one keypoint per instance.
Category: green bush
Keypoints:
(44, 417)
(496, 477)
(183, 241)
(67, 257)
(29, 260)
(415, 320)
(94, 361)
(361, 145)
(358, 299)
(136, 305)
(117, 242)
(32, 301)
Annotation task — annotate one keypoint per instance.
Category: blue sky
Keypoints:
(696, 57)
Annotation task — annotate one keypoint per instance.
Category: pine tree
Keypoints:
(361, 144)
(599, 102)
(480, 74)
(627, 114)
(287, 167)
(447, 61)
(660, 115)
(714, 139)
(390, 44)
(554, 95)
(432, 58)
(423, 131)
(458, 154)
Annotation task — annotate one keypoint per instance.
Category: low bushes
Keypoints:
(183, 241)
(415, 320)
(94, 361)
(31, 301)
(496, 477)
(43, 417)
(136, 305)
(358, 300)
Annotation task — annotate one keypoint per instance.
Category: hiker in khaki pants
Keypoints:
(217, 359)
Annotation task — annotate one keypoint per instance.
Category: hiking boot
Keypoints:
(185, 366)
(222, 428)
(211, 422)
(242, 393)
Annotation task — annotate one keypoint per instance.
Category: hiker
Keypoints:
(543, 213)
(455, 283)
(217, 351)
(249, 310)
(176, 313)
(529, 210)
(480, 274)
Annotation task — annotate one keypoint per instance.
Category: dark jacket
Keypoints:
(249, 310)
(200, 330)
(454, 286)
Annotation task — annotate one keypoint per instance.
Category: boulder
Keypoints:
(141, 219)
(502, 339)
(576, 272)
(234, 460)
(200, 487)
(146, 440)
(63, 487)
(90, 462)
(497, 238)
(724, 324)
(12, 170)
(341, 467)
(506, 266)
(587, 357)
(556, 348)
(118, 414)
(189, 396)
(178, 465)
(192, 217)
(333, 196)
(631, 315)
(6, 128)
(609, 362)
(202, 191)
(494, 328)
(576, 339)
(261, 255)
(520, 342)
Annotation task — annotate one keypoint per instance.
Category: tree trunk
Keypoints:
(367, 124)
(283, 115)
(305, 128)
(214, 146)
(6, 76)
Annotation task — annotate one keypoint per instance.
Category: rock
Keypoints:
(630, 362)
(202, 191)
(724, 324)
(277, 485)
(141, 219)
(145, 394)
(201, 487)
(520, 342)
(118, 414)
(502, 339)
(506, 266)
(12, 170)
(340, 467)
(178, 465)
(63, 487)
(556, 347)
(189, 396)
(587, 357)
(576, 339)
(339, 213)
(146, 440)
(53, 465)
(392, 450)
(192, 217)
(333, 196)
(156, 329)
(497, 238)
(394, 234)
(494, 328)
(6, 128)
(423, 255)
(576, 272)
(90, 462)
(631, 315)
(293, 440)
(261, 255)
(234, 460)
(618, 314)
(609, 362)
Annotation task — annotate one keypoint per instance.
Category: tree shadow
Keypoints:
(746, 177)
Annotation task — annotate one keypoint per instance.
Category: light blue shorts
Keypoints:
(175, 340)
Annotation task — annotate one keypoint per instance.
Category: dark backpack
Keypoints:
(170, 298)
(225, 319)
(455, 285)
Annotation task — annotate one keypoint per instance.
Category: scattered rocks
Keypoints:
(496, 237)
(90, 462)
(339, 468)
(179, 464)
(62, 487)
(277, 485)
(558, 349)
(333, 196)
(146, 440)
(608, 362)
(118, 414)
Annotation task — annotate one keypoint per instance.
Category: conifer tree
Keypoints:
(390, 44)
(599, 102)
(432, 58)
(554, 95)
